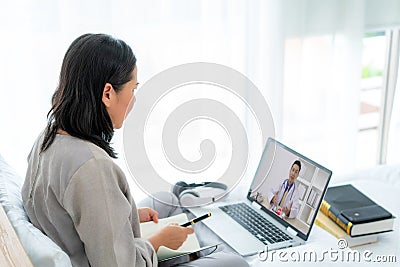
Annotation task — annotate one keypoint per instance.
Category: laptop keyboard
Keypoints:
(256, 224)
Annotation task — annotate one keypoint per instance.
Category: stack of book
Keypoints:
(348, 214)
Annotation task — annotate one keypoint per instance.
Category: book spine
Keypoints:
(335, 216)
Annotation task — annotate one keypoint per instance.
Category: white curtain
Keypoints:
(322, 81)
(304, 56)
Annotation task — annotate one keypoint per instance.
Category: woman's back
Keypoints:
(74, 187)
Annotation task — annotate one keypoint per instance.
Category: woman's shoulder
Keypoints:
(90, 164)
(63, 159)
(71, 153)
(76, 147)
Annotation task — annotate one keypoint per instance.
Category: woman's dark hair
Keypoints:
(90, 62)
(298, 163)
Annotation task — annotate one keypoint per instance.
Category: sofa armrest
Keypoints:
(12, 253)
(41, 250)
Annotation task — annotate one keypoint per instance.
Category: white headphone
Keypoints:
(193, 195)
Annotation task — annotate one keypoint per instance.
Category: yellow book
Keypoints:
(335, 216)
(356, 213)
(331, 227)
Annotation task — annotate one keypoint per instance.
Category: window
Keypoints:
(373, 64)
(390, 138)
(378, 121)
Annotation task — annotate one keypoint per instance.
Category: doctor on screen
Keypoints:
(285, 195)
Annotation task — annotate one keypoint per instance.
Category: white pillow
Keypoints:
(42, 251)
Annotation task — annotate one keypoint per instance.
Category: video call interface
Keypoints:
(289, 185)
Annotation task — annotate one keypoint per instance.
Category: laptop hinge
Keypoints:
(256, 205)
(291, 231)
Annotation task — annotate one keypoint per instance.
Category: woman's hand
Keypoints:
(171, 236)
(147, 214)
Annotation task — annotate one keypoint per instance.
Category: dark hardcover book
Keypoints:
(355, 212)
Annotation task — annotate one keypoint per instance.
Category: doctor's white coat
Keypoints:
(292, 198)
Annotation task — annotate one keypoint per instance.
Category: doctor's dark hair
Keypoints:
(298, 163)
(91, 61)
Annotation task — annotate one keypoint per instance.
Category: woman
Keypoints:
(286, 194)
(73, 190)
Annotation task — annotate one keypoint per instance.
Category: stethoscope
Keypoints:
(285, 184)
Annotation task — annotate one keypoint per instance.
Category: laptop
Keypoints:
(280, 206)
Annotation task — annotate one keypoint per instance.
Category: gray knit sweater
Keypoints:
(80, 198)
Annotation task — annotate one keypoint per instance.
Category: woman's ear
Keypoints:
(108, 92)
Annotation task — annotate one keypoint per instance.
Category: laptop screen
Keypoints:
(289, 186)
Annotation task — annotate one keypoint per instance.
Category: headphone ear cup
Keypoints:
(188, 198)
(178, 188)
